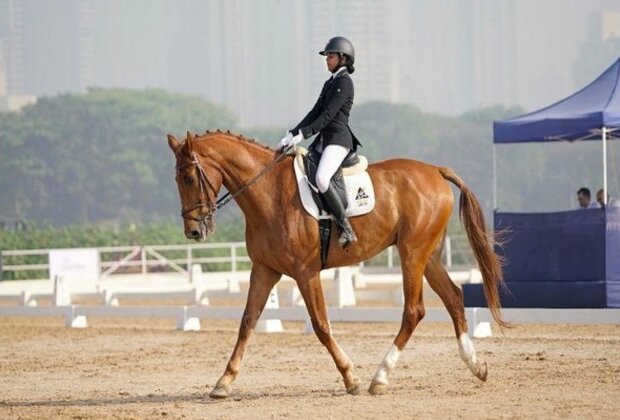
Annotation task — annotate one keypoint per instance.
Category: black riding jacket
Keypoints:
(330, 114)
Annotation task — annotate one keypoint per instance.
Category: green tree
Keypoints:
(102, 155)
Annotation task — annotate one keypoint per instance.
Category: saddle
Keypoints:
(351, 181)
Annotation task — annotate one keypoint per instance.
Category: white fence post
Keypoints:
(143, 259)
(233, 258)
(271, 325)
(61, 296)
(475, 327)
(27, 299)
(109, 298)
(448, 246)
(74, 321)
(189, 265)
(343, 287)
(185, 323)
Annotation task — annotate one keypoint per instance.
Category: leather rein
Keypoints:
(203, 181)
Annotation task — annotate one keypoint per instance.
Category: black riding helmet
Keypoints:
(340, 44)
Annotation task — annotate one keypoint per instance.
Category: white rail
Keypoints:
(227, 256)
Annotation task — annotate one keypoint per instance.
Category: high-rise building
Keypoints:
(260, 59)
(47, 46)
(256, 59)
(13, 95)
(366, 24)
(131, 43)
(12, 45)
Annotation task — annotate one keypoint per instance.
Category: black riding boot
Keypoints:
(332, 199)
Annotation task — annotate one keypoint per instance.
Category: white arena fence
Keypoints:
(197, 273)
(192, 272)
(226, 256)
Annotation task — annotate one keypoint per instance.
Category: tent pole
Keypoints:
(494, 177)
(604, 133)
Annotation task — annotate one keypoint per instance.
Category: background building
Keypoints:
(260, 58)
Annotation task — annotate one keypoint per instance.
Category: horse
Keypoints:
(413, 206)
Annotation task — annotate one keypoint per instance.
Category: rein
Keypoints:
(226, 198)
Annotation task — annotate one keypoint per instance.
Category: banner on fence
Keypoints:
(75, 266)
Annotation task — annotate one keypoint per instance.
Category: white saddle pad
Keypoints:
(360, 193)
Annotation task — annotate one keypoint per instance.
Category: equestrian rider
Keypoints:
(330, 119)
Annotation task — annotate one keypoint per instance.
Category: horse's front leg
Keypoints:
(262, 280)
(312, 292)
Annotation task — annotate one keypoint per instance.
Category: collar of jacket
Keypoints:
(339, 73)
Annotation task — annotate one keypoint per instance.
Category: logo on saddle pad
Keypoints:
(360, 192)
(361, 198)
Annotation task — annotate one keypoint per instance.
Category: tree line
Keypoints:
(99, 156)
(102, 156)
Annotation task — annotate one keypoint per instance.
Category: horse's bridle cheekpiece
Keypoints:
(206, 219)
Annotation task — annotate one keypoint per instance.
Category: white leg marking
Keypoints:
(389, 361)
(466, 348)
(467, 352)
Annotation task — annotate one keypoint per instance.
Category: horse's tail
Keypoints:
(488, 262)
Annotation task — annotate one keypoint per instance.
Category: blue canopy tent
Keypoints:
(567, 259)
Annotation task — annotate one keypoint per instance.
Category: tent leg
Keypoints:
(605, 191)
(494, 177)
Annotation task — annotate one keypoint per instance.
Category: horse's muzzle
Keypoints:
(195, 234)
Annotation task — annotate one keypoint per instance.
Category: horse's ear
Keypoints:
(190, 147)
(173, 143)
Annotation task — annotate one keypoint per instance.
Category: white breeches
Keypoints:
(332, 157)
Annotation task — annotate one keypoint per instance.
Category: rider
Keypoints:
(330, 119)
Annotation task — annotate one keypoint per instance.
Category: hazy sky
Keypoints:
(259, 57)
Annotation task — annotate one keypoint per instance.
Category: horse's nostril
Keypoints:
(192, 234)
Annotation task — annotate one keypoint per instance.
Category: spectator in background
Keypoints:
(611, 202)
(584, 199)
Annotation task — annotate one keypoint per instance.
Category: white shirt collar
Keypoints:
(340, 70)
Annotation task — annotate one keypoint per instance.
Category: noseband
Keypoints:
(206, 219)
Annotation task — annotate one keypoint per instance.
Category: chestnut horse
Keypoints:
(413, 205)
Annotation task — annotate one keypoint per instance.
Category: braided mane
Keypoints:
(209, 134)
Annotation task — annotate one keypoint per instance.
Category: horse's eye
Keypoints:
(188, 180)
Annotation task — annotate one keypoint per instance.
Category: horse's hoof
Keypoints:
(377, 388)
(354, 389)
(220, 392)
(481, 371)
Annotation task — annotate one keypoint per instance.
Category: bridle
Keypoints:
(203, 182)
(206, 219)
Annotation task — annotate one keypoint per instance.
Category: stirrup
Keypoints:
(346, 239)
(347, 234)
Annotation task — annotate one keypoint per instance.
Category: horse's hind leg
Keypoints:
(312, 292)
(262, 280)
(412, 264)
(452, 298)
